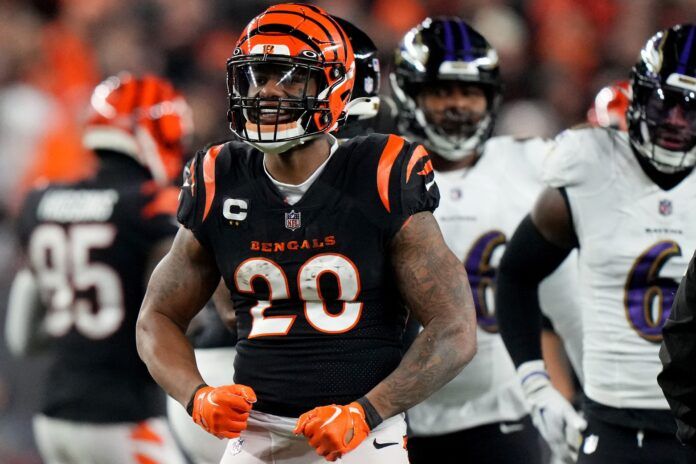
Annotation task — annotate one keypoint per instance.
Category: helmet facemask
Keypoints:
(662, 115)
(662, 125)
(276, 104)
(454, 132)
(442, 51)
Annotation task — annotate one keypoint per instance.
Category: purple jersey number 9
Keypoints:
(648, 297)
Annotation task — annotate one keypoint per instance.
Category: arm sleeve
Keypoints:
(197, 193)
(192, 197)
(419, 191)
(678, 356)
(405, 181)
(528, 259)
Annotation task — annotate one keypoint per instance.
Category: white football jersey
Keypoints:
(480, 208)
(635, 243)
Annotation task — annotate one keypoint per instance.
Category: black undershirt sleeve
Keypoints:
(678, 356)
(528, 259)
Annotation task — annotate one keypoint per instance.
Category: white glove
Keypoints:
(552, 415)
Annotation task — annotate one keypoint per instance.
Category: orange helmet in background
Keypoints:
(143, 117)
(290, 77)
(610, 105)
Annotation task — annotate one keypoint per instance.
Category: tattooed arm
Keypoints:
(434, 285)
(179, 287)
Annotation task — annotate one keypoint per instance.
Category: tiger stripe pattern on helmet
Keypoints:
(144, 117)
(302, 36)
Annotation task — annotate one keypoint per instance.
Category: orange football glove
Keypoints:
(223, 411)
(334, 430)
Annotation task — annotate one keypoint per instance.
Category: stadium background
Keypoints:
(555, 55)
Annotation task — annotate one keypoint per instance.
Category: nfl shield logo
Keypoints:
(665, 207)
(293, 220)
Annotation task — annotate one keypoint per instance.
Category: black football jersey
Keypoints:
(319, 317)
(88, 244)
(211, 332)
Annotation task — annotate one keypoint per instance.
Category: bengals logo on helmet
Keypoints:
(144, 117)
(290, 37)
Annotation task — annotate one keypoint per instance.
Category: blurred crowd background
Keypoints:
(555, 55)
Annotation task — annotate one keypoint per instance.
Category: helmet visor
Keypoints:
(274, 92)
(271, 97)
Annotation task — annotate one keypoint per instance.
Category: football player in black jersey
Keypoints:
(213, 343)
(322, 247)
(90, 247)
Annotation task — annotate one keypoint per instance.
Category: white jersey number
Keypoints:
(61, 260)
(315, 308)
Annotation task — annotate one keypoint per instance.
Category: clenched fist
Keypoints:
(223, 411)
(334, 430)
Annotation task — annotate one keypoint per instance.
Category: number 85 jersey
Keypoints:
(319, 317)
(635, 243)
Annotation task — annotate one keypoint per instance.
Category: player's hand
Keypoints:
(223, 411)
(333, 430)
(555, 418)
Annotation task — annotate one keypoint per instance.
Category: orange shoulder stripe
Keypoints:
(417, 154)
(386, 162)
(209, 177)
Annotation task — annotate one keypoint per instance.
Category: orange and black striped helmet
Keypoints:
(143, 117)
(290, 77)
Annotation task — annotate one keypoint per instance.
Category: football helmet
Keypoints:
(662, 114)
(610, 106)
(364, 101)
(142, 117)
(445, 49)
(290, 77)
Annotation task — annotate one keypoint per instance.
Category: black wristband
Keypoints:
(372, 417)
(189, 405)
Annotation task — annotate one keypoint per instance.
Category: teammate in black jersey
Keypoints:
(321, 247)
(90, 247)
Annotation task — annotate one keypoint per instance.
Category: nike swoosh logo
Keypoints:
(429, 184)
(512, 428)
(382, 445)
(332, 418)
